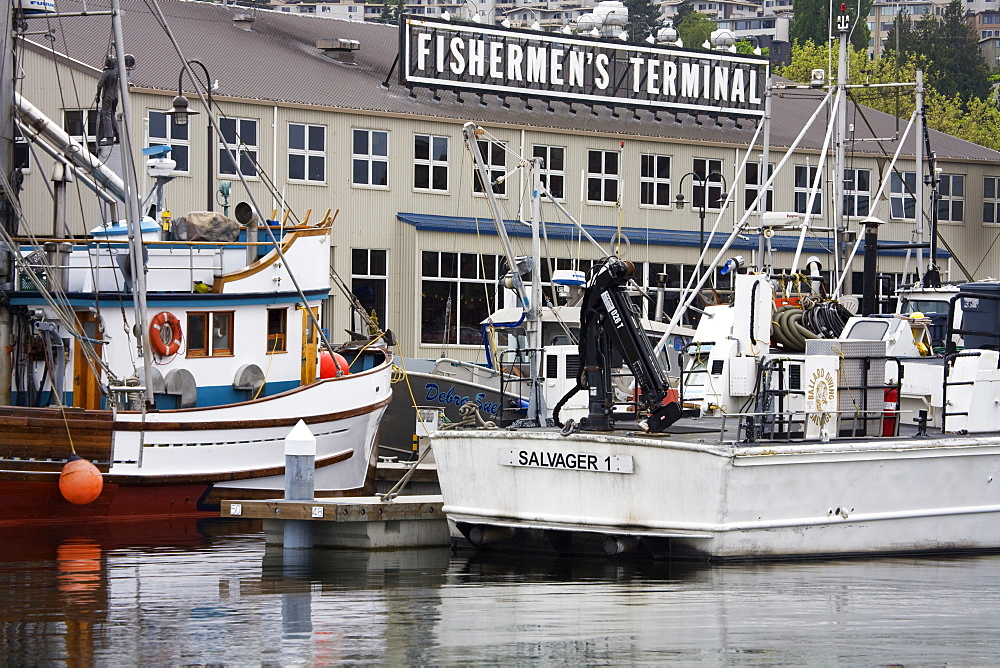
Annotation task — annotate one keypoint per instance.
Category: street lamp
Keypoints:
(704, 182)
(182, 111)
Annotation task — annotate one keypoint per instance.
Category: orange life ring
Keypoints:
(175, 334)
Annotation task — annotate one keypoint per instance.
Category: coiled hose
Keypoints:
(792, 325)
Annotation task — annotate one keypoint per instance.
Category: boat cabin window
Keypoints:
(210, 334)
(868, 330)
(553, 334)
(923, 306)
(277, 330)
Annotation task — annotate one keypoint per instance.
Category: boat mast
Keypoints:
(918, 158)
(132, 215)
(763, 243)
(536, 400)
(843, 26)
(530, 302)
(6, 162)
(472, 142)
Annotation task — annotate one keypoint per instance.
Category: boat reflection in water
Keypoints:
(210, 592)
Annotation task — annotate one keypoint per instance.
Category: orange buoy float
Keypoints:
(80, 482)
(332, 365)
(79, 564)
(165, 334)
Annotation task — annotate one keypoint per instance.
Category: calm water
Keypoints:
(209, 593)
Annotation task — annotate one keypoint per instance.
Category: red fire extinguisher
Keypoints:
(889, 411)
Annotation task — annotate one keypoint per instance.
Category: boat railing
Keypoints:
(796, 424)
(100, 265)
(972, 314)
(516, 380)
(865, 404)
(949, 365)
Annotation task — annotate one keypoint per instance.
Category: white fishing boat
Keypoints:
(804, 470)
(786, 443)
(175, 362)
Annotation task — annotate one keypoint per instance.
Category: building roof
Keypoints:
(277, 60)
(647, 236)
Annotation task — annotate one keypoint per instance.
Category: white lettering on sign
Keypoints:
(570, 461)
(611, 309)
(235, 508)
(442, 54)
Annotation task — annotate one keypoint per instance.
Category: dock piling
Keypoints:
(300, 468)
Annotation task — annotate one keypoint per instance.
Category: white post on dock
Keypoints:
(300, 467)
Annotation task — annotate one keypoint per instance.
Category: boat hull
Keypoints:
(183, 462)
(685, 498)
(399, 433)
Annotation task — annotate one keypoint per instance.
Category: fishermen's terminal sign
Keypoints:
(527, 63)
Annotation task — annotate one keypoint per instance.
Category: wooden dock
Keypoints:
(366, 522)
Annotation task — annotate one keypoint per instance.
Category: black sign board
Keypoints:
(436, 53)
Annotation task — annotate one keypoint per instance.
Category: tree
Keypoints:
(811, 22)
(682, 11)
(977, 120)
(643, 19)
(950, 48)
(695, 29)
(957, 68)
(746, 47)
(904, 35)
(391, 11)
(387, 11)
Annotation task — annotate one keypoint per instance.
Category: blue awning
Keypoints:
(603, 234)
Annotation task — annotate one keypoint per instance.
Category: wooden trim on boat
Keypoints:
(249, 424)
(112, 479)
(271, 258)
(54, 433)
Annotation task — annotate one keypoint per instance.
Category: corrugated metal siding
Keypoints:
(290, 81)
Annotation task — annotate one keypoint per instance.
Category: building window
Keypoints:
(307, 152)
(209, 334)
(804, 178)
(951, 198)
(602, 177)
(370, 159)
(755, 180)
(368, 284)
(277, 330)
(163, 131)
(495, 156)
(430, 163)
(857, 192)
(654, 180)
(22, 152)
(708, 173)
(902, 202)
(73, 124)
(553, 172)
(991, 200)
(458, 291)
(239, 135)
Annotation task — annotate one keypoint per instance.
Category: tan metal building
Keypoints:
(332, 128)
